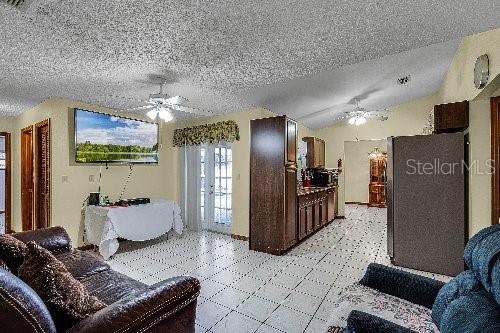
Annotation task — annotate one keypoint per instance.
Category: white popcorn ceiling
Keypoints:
(222, 55)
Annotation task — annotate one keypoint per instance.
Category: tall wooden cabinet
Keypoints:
(273, 185)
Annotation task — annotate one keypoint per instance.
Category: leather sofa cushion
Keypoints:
(66, 298)
(463, 284)
(82, 264)
(471, 313)
(21, 309)
(110, 286)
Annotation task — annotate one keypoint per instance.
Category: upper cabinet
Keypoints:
(452, 117)
(315, 152)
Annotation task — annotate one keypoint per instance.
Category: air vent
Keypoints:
(15, 3)
(404, 80)
(19, 4)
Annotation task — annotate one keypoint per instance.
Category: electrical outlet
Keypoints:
(91, 178)
(64, 179)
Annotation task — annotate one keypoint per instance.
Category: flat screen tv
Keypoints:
(104, 138)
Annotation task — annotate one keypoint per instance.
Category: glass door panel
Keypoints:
(216, 187)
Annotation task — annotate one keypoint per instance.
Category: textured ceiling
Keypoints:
(219, 54)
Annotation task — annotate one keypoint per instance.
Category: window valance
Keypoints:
(210, 133)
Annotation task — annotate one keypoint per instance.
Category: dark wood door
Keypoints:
(495, 156)
(42, 166)
(302, 222)
(27, 184)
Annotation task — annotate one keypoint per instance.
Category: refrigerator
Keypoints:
(427, 202)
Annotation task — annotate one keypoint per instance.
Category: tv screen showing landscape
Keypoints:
(104, 138)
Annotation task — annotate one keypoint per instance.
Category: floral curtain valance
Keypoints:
(210, 133)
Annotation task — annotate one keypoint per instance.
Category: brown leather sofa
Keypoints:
(168, 306)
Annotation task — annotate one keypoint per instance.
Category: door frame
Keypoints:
(36, 169)
(24, 223)
(8, 181)
(495, 157)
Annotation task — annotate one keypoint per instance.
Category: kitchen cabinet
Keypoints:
(332, 204)
(315, 210)
(451, 117)
(273, 185)
(315, 152)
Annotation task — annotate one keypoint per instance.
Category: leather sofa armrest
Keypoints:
(54, 239)
(411, 287)
(361, 322)
(147, 310)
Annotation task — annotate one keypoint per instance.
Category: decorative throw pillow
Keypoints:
(12, 252)
(66, 298)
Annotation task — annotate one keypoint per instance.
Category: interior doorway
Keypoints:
(27, 183)
(5, 183)
(42, 174)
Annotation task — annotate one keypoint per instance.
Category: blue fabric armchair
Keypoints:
(391, 300)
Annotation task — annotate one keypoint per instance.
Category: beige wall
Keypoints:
(68, 197)
(405, 119)
(6, 124)
(357, 168)
(459, 82)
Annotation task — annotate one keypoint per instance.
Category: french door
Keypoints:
(216, 187)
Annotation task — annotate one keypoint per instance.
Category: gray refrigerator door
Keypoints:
(428, 202)
(389, 198)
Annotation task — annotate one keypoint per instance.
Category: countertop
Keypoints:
(313, 189)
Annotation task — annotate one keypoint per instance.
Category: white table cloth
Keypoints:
(104, 225)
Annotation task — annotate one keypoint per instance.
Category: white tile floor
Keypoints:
(247, 291)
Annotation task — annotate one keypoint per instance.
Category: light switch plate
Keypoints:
(91, 178)
(64, 179)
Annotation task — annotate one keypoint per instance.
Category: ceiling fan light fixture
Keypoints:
(152, 114)
(165, 115)
(360, 121)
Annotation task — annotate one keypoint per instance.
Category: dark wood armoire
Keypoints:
(273, 185)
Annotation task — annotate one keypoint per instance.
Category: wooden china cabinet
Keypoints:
(376, 188)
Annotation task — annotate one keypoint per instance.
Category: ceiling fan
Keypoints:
(359, 115)
(161, 105)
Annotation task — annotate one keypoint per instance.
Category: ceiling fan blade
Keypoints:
(144, 107)
(191, 110)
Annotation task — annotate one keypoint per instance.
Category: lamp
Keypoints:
(352, 120)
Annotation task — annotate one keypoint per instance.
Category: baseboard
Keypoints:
(238, 237)
(341, 217)
(356, 203)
